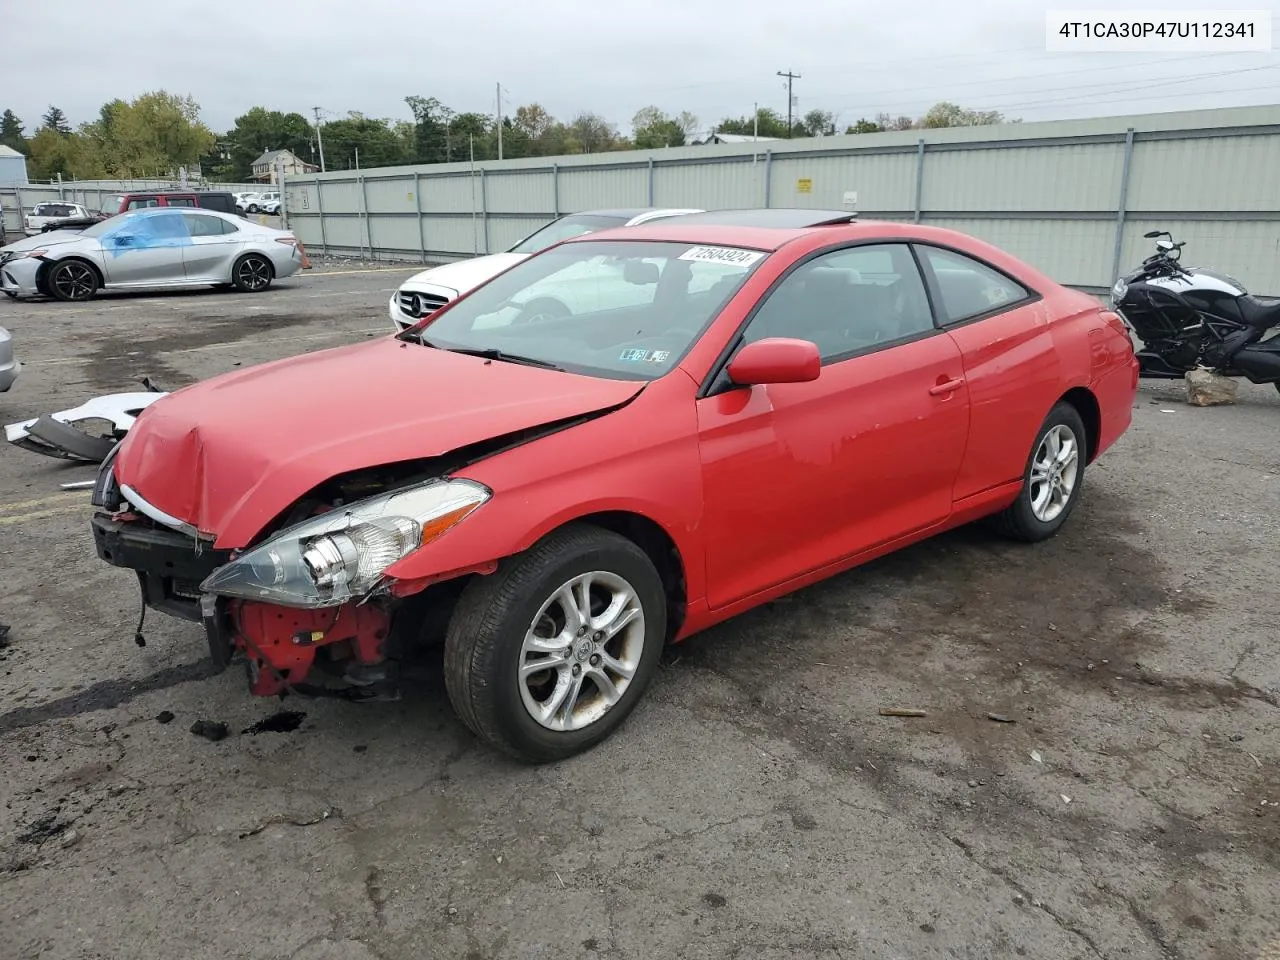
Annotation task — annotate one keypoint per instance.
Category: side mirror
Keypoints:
(1153, 234)
(1164, 244)
(775, 360)
(640, 272)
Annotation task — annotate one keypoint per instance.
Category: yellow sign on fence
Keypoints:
(804, 185)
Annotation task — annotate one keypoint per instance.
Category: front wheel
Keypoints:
(252, 274)
(72, 280)
(547, 657)
(1052, 480)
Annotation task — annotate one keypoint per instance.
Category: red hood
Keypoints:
(227, 455)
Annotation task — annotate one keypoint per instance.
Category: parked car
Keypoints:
(428, 291)
(50, 212)
(221, 200)
(9, 365)
(162, 247)
(256, 202)
(556, 498)
(76, 223)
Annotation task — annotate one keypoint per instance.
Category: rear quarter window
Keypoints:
(219, 202)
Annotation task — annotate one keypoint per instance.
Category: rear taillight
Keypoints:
(288, 241)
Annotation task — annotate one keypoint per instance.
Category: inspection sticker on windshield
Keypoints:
(636, 355)
(730, 255)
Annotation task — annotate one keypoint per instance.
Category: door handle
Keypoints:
(947, 386)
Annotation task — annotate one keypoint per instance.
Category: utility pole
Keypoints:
(499, 121)
(319, 139)
(790, 76)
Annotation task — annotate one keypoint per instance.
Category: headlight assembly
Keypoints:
(341, 555)
(1119, 290)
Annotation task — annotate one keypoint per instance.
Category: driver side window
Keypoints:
(848, 302)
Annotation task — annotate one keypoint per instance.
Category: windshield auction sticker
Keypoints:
(726, 255)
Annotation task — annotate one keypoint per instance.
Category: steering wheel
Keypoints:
(541, 308)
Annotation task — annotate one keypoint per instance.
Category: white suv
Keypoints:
(428, 291)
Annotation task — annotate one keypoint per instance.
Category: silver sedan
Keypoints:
(154, 247)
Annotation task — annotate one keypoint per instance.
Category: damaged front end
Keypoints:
(307, 606)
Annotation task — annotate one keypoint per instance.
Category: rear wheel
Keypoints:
(1052, 480)
(71, 280)
(546, 657)
(252, 273)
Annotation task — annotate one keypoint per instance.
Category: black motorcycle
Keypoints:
(1189, 317)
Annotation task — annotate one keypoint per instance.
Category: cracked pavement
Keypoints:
(756, 806)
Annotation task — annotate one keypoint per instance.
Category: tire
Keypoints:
(485, 646)
(1021, 520)
(253, 208)
(71, 280)
(252, 273)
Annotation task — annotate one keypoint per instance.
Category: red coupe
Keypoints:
(614, 444)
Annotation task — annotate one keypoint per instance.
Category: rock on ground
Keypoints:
(1206, 388)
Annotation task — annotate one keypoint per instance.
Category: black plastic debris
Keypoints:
(209, 729)
(286, 721)
(4, 635)
(164, 716)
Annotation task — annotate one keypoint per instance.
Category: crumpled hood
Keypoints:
(229, 454)
(464, 275)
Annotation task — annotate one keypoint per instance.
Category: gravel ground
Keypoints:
(756, 805)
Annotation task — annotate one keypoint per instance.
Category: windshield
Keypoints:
(563, 229)
(626, 310)
(102, 226)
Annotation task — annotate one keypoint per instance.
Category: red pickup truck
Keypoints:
(221, 200)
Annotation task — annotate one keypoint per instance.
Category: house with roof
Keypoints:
(268, 165)
(735, 138)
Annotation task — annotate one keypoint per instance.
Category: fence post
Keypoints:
(417, 205)
(651, 181)
(364, 215)
(768, 177)
(555, 189)
(1122, 203)
(484, 207)
(919, 178)
(324, 240)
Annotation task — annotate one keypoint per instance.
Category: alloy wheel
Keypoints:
(581, 651)
(253, 273)
(1054, 472)
(74, 281)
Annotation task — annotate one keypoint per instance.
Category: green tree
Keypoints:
(766, 123)
(152, 136)
(379, 143)
(11, 132)
(468, 130)
(652, 128)
(594, 133)
(54, 119)
(817, 123)
(948, 114)
(431, 129)
(258, 130)
(68, 155)
(865, 126)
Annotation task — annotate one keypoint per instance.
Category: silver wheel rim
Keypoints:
(582, 651)
(254, 273)
(1054, 472)
(75, 281)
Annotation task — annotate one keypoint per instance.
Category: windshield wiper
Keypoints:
(491, 353)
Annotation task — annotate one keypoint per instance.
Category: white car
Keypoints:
(428, 291)
(43, 213)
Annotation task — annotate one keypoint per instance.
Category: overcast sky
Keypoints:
(714, 59)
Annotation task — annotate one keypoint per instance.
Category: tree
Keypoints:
(55, 120)
(865, 126)
(431, 129)
(887, 122)
(766, 122)
(947, 114)
(258, 130)
(68, 155)
(378, 142)
(11, 132)
(153, 136)
(594, 133)
(652, 128)
(818, 123)
(688, 125)
(533, 121)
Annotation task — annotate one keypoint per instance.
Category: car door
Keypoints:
(1010, 362)
(798, 476)
(145, 249)
(214, 242)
